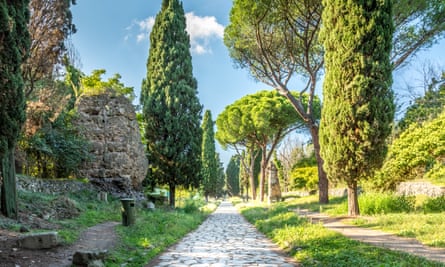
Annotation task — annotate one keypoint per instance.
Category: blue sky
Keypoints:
(113, 35)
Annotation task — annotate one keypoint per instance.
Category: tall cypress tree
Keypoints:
(208, 157)
(232, 175)
(171, 107)
(358, 103)
(14, 45)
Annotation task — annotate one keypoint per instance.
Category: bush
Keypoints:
(56, 150)
(417, 151)
(190, 206)
(436, 204)
(305, 178)
(384, 203)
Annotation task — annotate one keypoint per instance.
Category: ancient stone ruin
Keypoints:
(109, 123)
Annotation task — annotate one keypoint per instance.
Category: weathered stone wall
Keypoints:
(52, 186)
(420, 188)
(109, 123)
(63, 186)
(405, 188)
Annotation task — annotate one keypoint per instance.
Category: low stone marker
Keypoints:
(39, 240)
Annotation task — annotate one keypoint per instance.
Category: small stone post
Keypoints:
(274, 190)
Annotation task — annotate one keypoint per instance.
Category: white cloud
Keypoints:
(200, 29)
(144, 28)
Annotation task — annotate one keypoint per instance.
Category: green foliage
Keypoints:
(419, 24)
(72, 212)
(152, 233)
(191, 206)
(171, 107)
(220, 178)
(436, 204)
(56, 150)
(379, 203)
(209, 165)
(436, 174)
(257, 118)
(232, 175)
(358, 106)
(423, 227)
(258, 121)
(14, 47)
(426, 107)
(304, 174)
(93, 85)
(314, 245)
(304, 178)
(418, 151)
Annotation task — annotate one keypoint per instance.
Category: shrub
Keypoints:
(383, 203)
(436, 204)
(56, 150)
(436, 174)
(305, 178)
(416, 152)
(191, 206)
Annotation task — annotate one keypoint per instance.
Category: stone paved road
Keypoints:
(224, 239)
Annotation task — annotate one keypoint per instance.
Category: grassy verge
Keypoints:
(429, 229)
(70, 214)
(418, 217)
(313, 245)
(152, 233)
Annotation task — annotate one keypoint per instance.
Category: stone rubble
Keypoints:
(224, 239)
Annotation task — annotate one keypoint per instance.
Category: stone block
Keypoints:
(39, 240)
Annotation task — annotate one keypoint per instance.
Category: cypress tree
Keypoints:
(208, 157)
(14, 45)
(171, 107)
(232, 175)
(358, 103)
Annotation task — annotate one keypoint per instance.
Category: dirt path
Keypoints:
(376, 237)
(99, 237)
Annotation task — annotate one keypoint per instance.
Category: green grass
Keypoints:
(93, 212)
(408, 218)
(429, 229)
(152, 233)
(313, 245)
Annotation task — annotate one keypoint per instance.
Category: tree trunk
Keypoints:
(353, 208)
(264, 161)
(172, 195)
(8, 195)
(323, 183)
(252, 175)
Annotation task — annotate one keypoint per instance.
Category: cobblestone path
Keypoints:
(224, 239)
